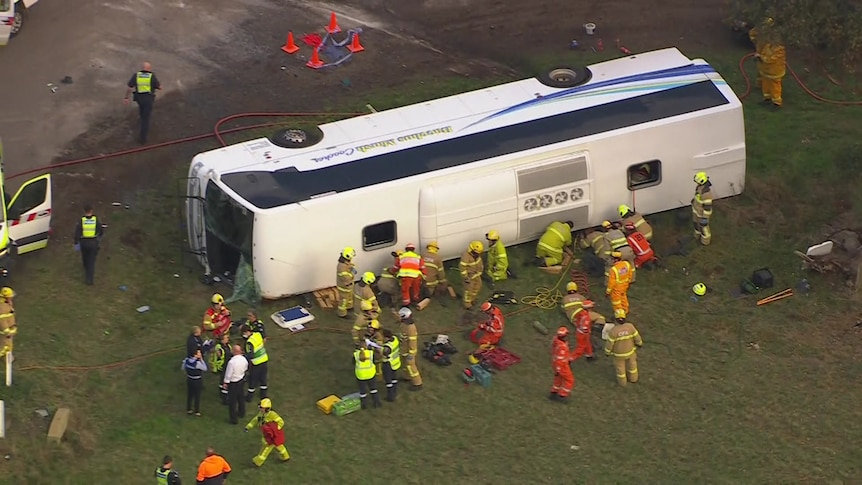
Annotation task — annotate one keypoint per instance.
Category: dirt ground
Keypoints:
(235, 65)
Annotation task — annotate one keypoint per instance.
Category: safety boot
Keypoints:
(258, 460)
(364, 402)
(376, 398)
(416, 388)
(553, 396)
(390, 393)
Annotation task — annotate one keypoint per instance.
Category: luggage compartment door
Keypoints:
(455, 213)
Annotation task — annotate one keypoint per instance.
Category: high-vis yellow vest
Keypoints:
(88, 227)
(365, 370)
(394, 357)
(144, 81)
(258, 352)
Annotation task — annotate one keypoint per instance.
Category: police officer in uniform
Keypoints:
(166, 475)
(258, 358)
(144, 85)
(88, 233)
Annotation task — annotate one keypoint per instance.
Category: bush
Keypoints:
(831, 25)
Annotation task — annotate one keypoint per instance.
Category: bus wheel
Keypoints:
(565, 77)
(296, 137)
(18, 21)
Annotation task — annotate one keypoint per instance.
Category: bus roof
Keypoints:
(469, 127)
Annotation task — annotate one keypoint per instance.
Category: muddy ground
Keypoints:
(217, 58)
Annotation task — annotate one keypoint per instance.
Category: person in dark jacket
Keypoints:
(195, 368)
(194, 342)
(88, 234)
(166, 475)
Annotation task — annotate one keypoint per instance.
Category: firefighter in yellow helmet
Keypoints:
(618, 242)
(622, 344)
(556, 240)
(217, 317)
(620, 277)
(498, 260)
(8, 327)
(345, 272)
(629, 216)
(471, 267)
(771, 61)
(573, 304)
(362, 321)
(435, 276)
(272, 428)
(363, 291)
(701, 208)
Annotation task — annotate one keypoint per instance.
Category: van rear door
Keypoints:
(29, 214)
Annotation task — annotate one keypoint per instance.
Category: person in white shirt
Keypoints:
(234, 382)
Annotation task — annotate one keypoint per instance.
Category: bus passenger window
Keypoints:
(380, 235)
(643, 175)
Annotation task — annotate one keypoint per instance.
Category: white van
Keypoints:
(572, 144)
(25, 225)
(12, 16)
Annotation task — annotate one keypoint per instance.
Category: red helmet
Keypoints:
(410, 246)
(486, 307)
(562, 332)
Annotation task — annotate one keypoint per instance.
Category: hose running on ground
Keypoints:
(796, 78)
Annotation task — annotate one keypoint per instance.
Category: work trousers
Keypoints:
(584, 346)
(701, 232)
(194, 387)
(89, 251)
(366, 387)
(620, 299)
(550, 256)
(235, 401)
(471, 290)
(145, 109)
(7, 346)
(771, 89)
(409, 362)
(345, 301)
(257, 377)
(626, 367)
(222, 391)
(564, 381)
(390, 376)
(483, 338)
(266, 450)
(410, 288)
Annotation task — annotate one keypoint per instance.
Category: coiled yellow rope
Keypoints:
(548, 298)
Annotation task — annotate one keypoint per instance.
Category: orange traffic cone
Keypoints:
(290, 46)
(315, 62)
(333, 27)
(355, 46)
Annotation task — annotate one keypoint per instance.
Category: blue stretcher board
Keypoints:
(293, 319)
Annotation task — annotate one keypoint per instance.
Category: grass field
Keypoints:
(710, 408)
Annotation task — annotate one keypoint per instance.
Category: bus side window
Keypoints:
(643, 175)
(379, 235)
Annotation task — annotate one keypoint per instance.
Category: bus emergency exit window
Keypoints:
(643, 175)
(379, 235)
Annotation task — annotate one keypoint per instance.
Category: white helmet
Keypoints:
(404, 312)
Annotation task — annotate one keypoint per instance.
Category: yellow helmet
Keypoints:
(473, 359)
(619, 313)
(606, 224)
(266, 403)
(477, 246)
(769, 21)
(433, 246)
(217, 298)
(374, 324)
(624, 209)
(571, 286)
(701, 178)
(348, 253)
(616, 254)
(368, 278)
(366, 306)
(7, 292)
(492, 236)
(699, 289)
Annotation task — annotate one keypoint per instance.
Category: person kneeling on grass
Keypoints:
(490, 331)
